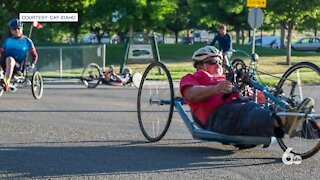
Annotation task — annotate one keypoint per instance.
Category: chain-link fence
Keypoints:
(69, 61)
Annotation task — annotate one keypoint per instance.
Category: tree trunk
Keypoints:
(131, 30)
(237, 36)
(289, 45)
(163, 31)
(274, 30)
(249, 35)
(282, 36)
(315, 32)
(176, 34)
(243, 36)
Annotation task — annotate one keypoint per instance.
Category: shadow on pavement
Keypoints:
(51, 160)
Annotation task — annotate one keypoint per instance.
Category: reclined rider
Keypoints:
(111, 77)
(204, 90)
(14, 52)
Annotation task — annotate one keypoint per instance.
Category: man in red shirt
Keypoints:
(204, 91)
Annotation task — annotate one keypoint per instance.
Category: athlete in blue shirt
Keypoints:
(225, 42)
(14, 52)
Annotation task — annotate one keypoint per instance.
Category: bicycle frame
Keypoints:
(203, 134)
(259, 86)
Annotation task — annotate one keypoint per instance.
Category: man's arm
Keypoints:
(200, 93)
(229, 44)
(121, 79)
(214, 40)
(34, 55)
(2, 52)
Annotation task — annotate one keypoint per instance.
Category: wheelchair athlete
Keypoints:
(111, 77)
(14, 52)
(204, 91)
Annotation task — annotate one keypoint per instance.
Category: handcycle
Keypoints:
(156, 102)
(92, 76)
(21, 79)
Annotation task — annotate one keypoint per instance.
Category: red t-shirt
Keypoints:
(203, 109)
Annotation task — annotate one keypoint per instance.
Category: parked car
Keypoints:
(267, 41)
(202, 36)
(187, 40)
(92, 38)
(307, 44)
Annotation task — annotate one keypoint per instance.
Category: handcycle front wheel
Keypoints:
(1, 91)
(37, 85)
(136, 79)
(91, 75)
(301, 82)
(155, 101)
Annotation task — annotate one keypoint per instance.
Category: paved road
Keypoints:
(79, 133)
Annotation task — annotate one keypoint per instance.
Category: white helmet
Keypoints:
(127, 71)
(204, 53)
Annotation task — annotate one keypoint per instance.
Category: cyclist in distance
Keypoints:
(225, 43)
(14, 52)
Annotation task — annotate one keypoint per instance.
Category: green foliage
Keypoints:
(121, 16)
(292, 13)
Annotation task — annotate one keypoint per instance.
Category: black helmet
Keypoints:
(127, 71)
(15, 23)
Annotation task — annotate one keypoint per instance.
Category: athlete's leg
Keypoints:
(10, 64)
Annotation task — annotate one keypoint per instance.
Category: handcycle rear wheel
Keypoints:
(91, 75)
(299, 82)
(155, 101)
(37, 85)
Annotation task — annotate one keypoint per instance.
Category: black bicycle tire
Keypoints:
(310, 65)
(99, 79)
(166, 127)
(34, 93)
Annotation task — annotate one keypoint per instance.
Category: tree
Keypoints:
(291, 14)
(79, 6)
(233, 13)
(4, 14)
(160, 10)
(312, 22)
(99, 18)
(179, 19)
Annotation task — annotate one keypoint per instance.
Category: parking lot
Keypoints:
(79, 133)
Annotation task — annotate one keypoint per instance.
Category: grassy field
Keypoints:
(177, 57)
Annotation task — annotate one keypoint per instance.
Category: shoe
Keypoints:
(4, 85)
(12, 88)
(19, 73)
(294, 124)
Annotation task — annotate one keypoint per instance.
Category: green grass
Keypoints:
(177, 57)
(184, 52)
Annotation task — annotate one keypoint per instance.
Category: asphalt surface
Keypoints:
(79, 133)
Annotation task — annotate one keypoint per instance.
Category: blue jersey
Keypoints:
(17, 48)
(225, 42)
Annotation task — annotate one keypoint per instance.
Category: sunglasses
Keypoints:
(213, 62)
(18, 28)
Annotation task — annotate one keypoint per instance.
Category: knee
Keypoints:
(10, 60)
